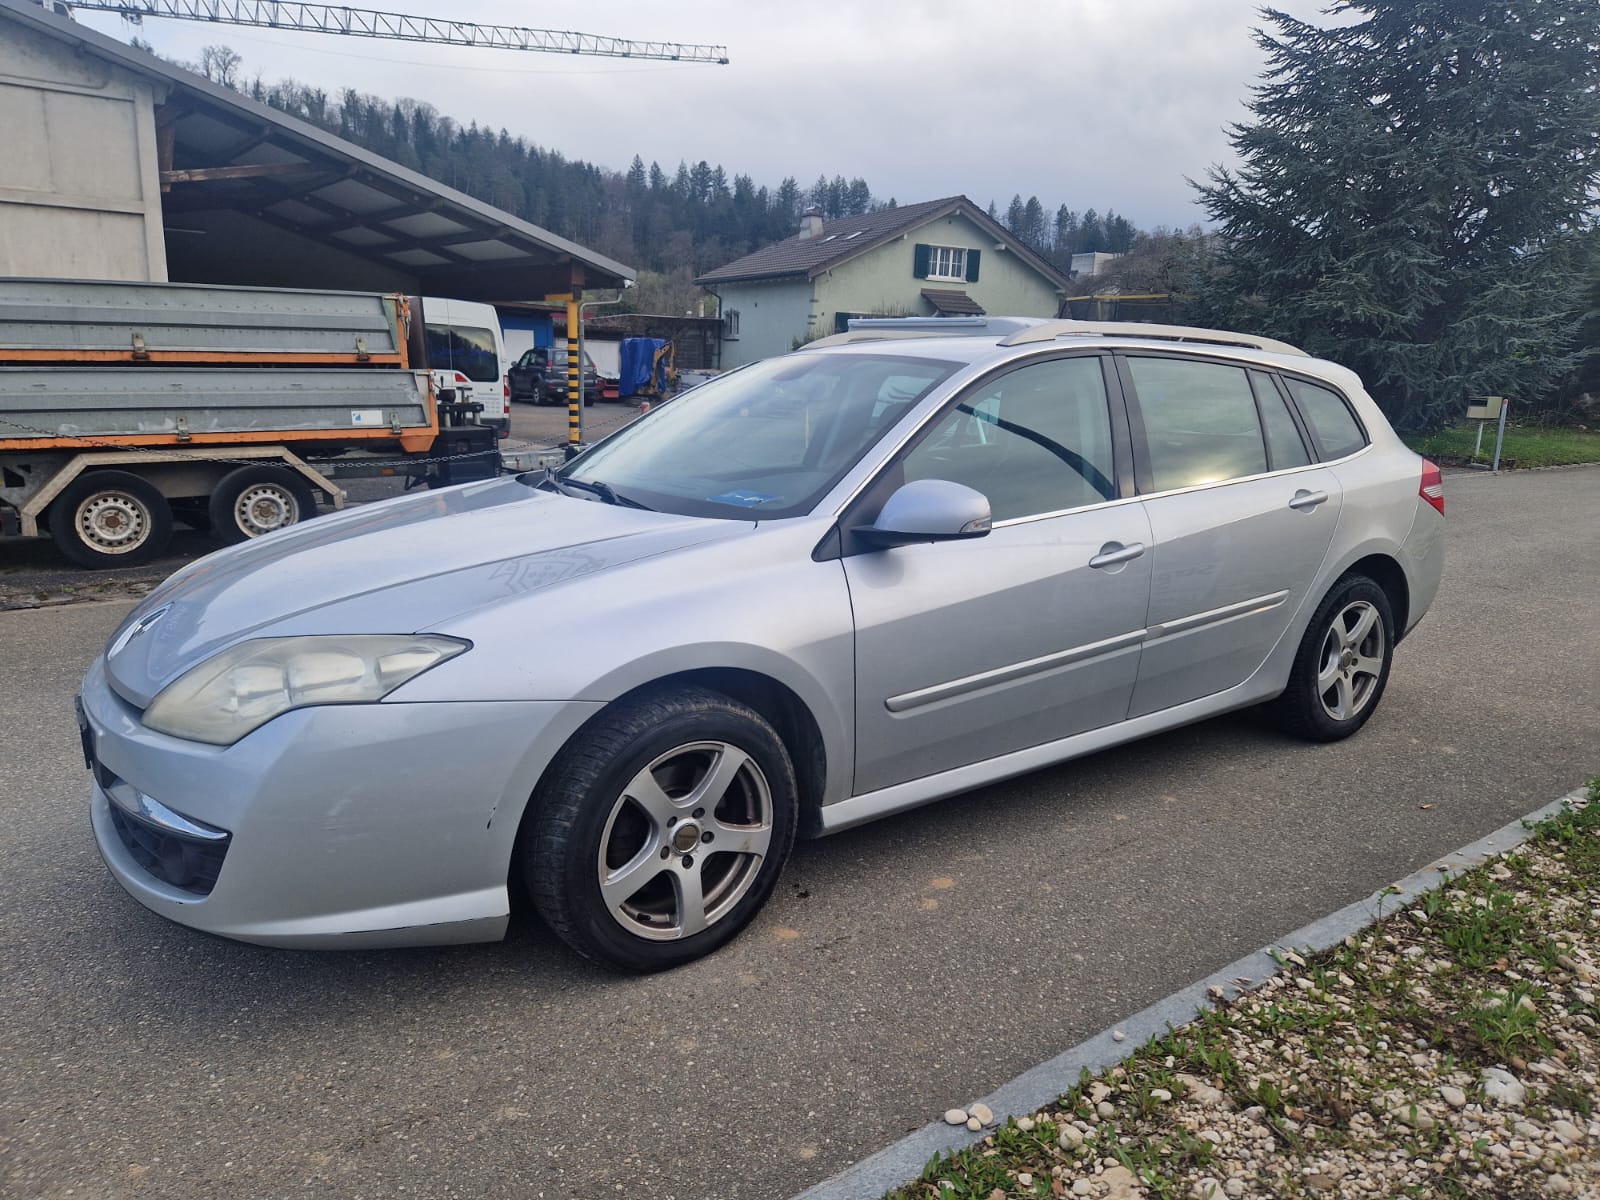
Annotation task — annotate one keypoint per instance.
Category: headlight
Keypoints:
(226, 697)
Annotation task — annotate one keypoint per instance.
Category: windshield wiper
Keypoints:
(604, 490)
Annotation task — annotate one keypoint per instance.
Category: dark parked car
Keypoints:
(540, 376)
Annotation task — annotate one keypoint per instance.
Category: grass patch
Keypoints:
(1357, 1071)
(1525, 446)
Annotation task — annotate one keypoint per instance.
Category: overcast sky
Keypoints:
(1095, 103)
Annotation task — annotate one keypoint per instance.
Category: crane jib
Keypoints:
(404, 27)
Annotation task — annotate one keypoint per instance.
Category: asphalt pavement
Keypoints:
(900, 968)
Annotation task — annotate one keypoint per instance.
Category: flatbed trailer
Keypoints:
(125, 406)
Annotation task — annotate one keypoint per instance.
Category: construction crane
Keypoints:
(401, 27)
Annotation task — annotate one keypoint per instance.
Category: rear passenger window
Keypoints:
(1329, 417)
(1035, 441)
(1285, 447)
(1200, 422)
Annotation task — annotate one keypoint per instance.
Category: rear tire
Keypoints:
(252, 501)
(659, 833)
(108, 519)
(1342, 665)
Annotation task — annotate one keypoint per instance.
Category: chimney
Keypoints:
(810, 223)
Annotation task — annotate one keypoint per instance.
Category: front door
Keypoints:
(971, 649)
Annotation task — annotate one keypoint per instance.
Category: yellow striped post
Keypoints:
(574, 376)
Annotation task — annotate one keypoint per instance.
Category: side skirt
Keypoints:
(858, 810)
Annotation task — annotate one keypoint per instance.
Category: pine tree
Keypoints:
(1033, 231)
(1413, 195)
(1015, 213)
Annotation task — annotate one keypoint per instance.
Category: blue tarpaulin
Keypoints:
(638, 356)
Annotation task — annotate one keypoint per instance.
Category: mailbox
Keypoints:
(1484, 408)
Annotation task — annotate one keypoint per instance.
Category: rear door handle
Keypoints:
(1306, 501)
(1115, 553)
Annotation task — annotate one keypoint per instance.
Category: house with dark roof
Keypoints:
(939, 258)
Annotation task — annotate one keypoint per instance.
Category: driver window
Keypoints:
(1037, 440)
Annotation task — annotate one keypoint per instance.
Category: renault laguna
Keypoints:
(906, 561)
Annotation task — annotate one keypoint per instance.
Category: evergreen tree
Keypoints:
(1033, 231)
(1015, 215)
(1090, 236)
(1414, 193)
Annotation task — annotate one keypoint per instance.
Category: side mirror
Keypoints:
(929, 510)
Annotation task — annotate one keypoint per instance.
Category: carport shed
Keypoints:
(122, 166)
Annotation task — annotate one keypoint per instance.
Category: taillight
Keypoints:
(505, 387)
(460, 378)
(1432, 488)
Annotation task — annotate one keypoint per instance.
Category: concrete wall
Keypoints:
(772, 313)
(80, 192)
(881, 280)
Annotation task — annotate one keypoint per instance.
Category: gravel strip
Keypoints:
(1449, 1050)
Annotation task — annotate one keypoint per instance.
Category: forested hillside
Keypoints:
(673, 222)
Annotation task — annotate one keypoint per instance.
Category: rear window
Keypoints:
(463, 348)
(1329, 417)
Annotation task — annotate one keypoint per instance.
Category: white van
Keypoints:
(467, 354)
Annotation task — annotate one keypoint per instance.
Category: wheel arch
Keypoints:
(775, 701)
(1386, 571)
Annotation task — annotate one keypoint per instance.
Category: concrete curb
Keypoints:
(1035, 1088)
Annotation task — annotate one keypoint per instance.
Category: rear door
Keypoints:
(968, 650)
(1240, 519)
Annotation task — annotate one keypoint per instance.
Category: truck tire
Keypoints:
(251, 501)
(110, 519)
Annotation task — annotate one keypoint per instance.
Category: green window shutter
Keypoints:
(972, 266)
(919, 260)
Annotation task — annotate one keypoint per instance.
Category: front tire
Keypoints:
(1343, 663)
(660, 832)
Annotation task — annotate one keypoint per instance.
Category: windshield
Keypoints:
(766, 441)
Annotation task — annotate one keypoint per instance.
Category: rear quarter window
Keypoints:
(1330, 418)
(464, 348)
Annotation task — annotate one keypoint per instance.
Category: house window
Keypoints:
(947, 262)
(730, 324)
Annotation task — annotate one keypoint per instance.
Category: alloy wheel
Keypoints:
(685, 840)
(1351, 661)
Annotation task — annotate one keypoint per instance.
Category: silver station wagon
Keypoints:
(905, 561)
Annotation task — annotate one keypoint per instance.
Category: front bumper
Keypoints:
(357, 825)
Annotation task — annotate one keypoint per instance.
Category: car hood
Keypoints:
(400, 566)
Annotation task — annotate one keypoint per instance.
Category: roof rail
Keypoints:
(1019, 331)
(1048, 331)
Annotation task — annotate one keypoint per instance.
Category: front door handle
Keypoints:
(1114, 554)
(1306, 501)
